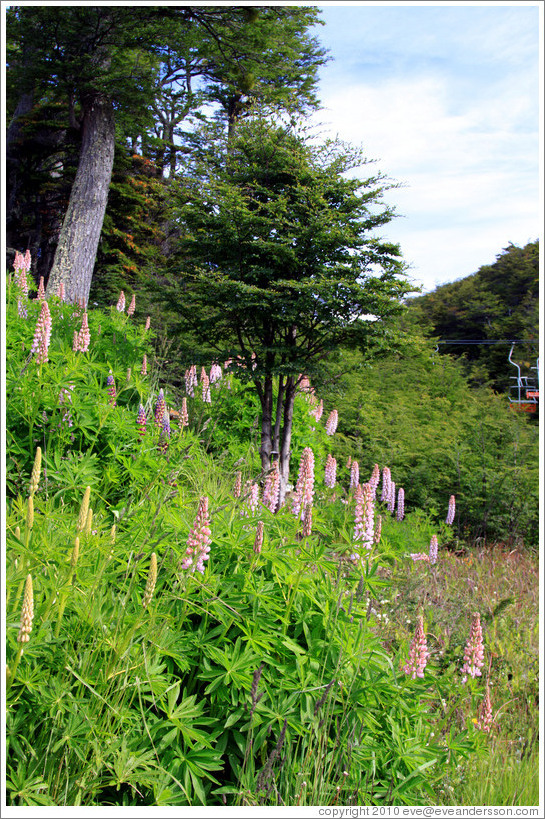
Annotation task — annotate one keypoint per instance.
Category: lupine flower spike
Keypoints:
(418, 652)
(35, 476)
(120, 306)
(110, 383)
(165, 433)
(474, 650)
(330, 471)
(141, 421)
(42, 335)
(84, 509)
(304, 488)
(364, 525)
(148, 322)
(271, 489)
(392, 497)
(378, 529)
(400, 503)
(354, 474)
(160, 408)
(238, 485)
(132, 306)
(331, 423)
(151, 581)
(375, 478)
(386, 479)
(433, 549)
(27, 612)
(41, 289)
(21, 309)
(83, 338)
(60, 291)
(199, 539)
(184, 418)
(144, 370)
(451, 510)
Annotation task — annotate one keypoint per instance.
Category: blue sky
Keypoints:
(446, 98)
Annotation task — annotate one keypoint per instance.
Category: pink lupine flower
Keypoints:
(354, 474)
(330, 471)
(474, 650)
(392, 497)
(238, 485)
(190, 377)
(141, 421)
(75, 342)
(433, 549)
(251, 492)
(164, 435)
(271, 488)
(375, 478)
(184, 418)
(60, 291)
(148, 322)
(160, 409)
(42, 334)
(21, 309)
(41, 290)
(258, 542)
(318, 410)
(215, 373)
(418, 652)
(349, 462)
(331, 423)
(451, 510)
(206, 397)
(307, 519)
(111, 389)
(304, 488)
(84, 336)
(420, 556)
(378, 529)
(144, 369)
(198, 542)
(400, 503)
(364, 515)
(485, 718)
(386, 479)
(120, 306)
(132, 306)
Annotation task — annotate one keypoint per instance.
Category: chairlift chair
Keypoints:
(524, 393)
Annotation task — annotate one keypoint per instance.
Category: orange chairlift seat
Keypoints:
(524, 393)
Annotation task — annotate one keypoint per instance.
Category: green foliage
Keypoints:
(191, 700)
(499, 302)
(415, 413)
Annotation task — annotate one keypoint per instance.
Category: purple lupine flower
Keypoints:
(392, 497)
(386, 479)
(65, 397)
(198, 542)
(238, 485)
(164, 435)
(132, 306)
(331, 423)
(21, 309)
(271, 488)
(330, 471)
(148, 322)
(364, 515)
(42, 334)
(474, 650)
(215, 373)
(375, 478)
(485, 718)
(41, 290)
(451, 510)
(400, 503)
(318, 410)
(418, 652)
(258, 542)
(120, 306)
(184, 418)
(304, 488)
(160, 408)
(206, 397)
(189, 384)
(110, 383)
(141, 421)
(420, 556)
(433, 549)
(84, 336)
(144, 369)
(354, 474)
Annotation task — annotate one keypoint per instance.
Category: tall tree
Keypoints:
(116, 67)
(280, 266)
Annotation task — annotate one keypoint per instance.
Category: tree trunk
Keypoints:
(266, 396)
(285, 447)
(80, 233)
